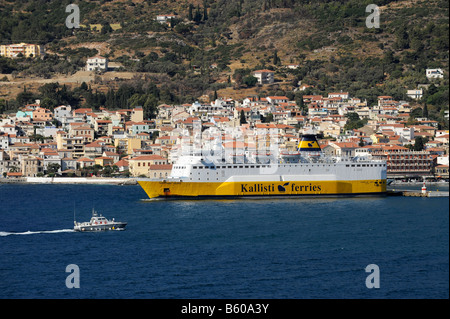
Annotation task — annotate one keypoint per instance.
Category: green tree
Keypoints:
(276, 59)
(190, 13)
(425, 111)
(198, 15)
(419, 143)
(205, 12)
(25, 97)
(250, 80)
(242, 119)
(361, 142)
(354, 122)
(52, 169)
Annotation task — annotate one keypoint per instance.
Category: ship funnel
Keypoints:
(309, 144)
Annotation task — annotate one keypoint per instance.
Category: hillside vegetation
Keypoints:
(212, 46)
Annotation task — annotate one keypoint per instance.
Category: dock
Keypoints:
(418, 194)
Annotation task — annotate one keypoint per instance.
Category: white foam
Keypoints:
(3, 233)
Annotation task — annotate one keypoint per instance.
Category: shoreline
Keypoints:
(70, 180)
(417, 183)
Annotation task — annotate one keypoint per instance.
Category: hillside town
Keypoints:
(36, 142)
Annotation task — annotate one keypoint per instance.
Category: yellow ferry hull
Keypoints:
(169, 189)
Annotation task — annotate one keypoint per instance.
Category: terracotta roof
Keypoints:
(147, 158)
(122, 162)
(265, 71)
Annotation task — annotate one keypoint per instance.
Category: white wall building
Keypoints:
(264, 76)
(435, 73)
(63, 113)
(415, 94)
(97, 63)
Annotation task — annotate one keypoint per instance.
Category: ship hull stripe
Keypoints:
(263, 189)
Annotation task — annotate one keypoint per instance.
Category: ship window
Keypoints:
(358, 165)
(230, 166)
(200, 167)
(246, 166)
(252, 166)
(240, 166)
(195, 167)
(347, 165)
(353, 165)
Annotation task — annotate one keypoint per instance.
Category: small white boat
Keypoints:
(98, 223)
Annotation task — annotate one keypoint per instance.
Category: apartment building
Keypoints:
(97, 63)
(22, 49)
(264, 76)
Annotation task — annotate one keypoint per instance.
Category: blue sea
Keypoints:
(220, 249)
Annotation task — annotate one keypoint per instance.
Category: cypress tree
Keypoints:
(190, 15)
(205, 12)
(425, 111)
(242, 119)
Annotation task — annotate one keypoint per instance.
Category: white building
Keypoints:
(342, 95)
(435, 73)
(415, 94)
(442, 160)
(4, 142)
(63, 113)
(165, 18)
(264, 76)
(97, 63)
(406, 132)
(277, 99)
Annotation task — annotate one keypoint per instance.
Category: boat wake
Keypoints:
(3, 233)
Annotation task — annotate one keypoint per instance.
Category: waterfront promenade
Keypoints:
(71, 180)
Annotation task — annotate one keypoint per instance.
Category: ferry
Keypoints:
(307, 172)
(98, 223)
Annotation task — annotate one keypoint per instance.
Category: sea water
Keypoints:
(274, 248)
